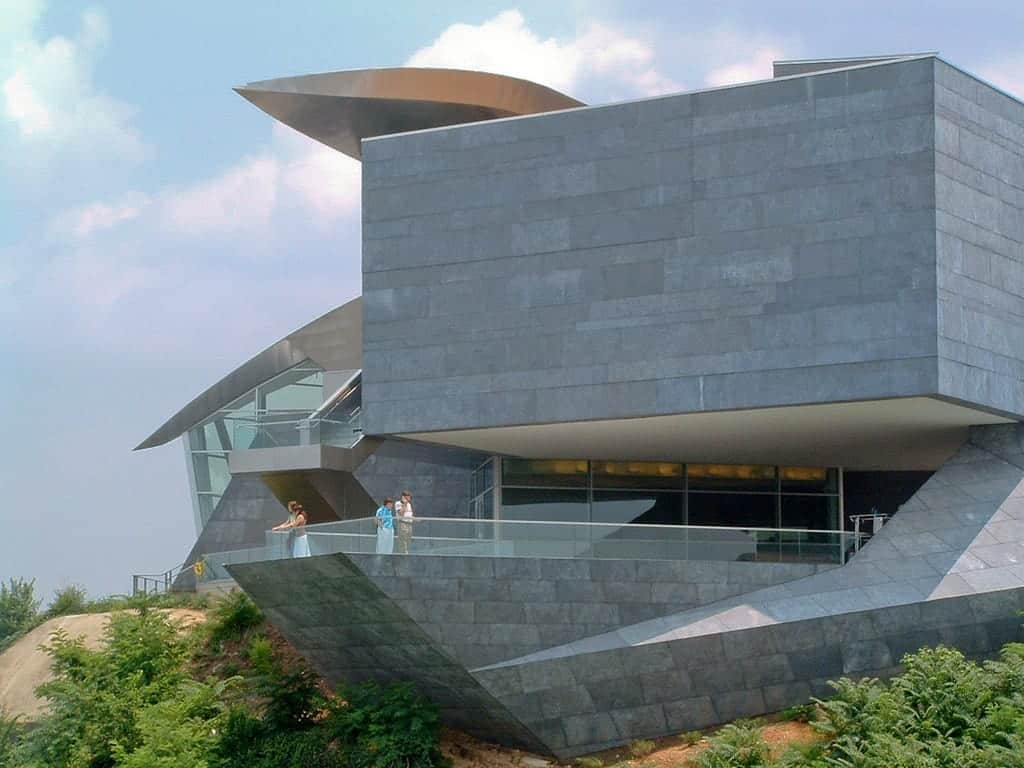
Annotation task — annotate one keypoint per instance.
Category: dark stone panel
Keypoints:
(245, 512)
(368, 620)
(437, 476)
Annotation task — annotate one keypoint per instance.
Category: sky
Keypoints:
(156, 230)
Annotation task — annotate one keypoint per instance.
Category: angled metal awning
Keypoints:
(333, 341)
(340, 109)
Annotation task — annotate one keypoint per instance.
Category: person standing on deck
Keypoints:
(386, 527)
(404, 511)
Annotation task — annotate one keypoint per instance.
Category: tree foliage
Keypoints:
(18, 608)
(68, 601)
(136, 702)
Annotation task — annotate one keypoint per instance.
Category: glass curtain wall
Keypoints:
(742, 496)
(481, 491)
(262, 417)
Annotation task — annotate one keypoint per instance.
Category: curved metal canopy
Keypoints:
(340, 109)
(333, 341)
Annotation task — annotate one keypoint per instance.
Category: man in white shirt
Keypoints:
(403, 510)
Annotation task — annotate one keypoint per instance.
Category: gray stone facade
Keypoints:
(481, 610)
(437, 476)
(947, 568)
(781, 242)
(979, 176)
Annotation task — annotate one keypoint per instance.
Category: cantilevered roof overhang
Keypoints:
(333, 341)
(340, 109)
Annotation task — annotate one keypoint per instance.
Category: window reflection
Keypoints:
(649, 507)
(545, 473)
(665, 493)
(567, 505)
(730, 477)
(736, 510)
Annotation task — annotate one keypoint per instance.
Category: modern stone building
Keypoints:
(704, 399)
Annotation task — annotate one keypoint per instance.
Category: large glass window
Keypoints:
(274, 414)
(637, 474)
(545, 473)
(730, 495)
(649, 507)
(809, 480)
(735, 510)
(809, 511)
(481, 492)
(749, 478)
(566, 505)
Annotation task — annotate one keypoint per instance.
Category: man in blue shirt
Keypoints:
(386, 527)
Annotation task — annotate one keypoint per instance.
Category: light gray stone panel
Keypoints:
(768, 244)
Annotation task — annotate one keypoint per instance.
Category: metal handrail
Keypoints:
(160, 582)
(311, 528)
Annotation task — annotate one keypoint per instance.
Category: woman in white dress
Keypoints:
(295, 523)
(300, 547)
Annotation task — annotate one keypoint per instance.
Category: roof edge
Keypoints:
(277, 358)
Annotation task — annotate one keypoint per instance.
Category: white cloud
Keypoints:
(88, 220)
(48, 95)
(293, 174)
(506, 45)
(758, 66)
(237, 201)
(24, 106)
(319, 178)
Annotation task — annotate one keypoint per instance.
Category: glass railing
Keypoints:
(492, 538)
(337, 422)
(292, 432)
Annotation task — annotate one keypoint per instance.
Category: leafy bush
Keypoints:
(691, 737)
(289, 688)
(739, 745)
(18, 608)
(96, 697)
(10, 737)
(800, 713)
(387, 727)
(232, 616)
(180, 731)
(590, 762)
(68, 601)
(641, 748)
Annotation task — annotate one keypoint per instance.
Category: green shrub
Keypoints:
(739, 745)
(67, 601)
(387, 727)
(590, 762)
(96, 697)
(18, 608)
(289, 688)
(641, 748)
(299, 749)
(231, 616)
(690, 737)
(800, 713)
(240, 737)
(10, 737)
(248, 742)
(180, 731)
(941, 692)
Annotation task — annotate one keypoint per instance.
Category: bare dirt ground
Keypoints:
(670, 752)
(24, 666)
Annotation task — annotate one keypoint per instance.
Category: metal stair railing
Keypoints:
(156, 583)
